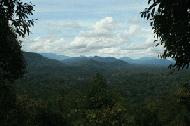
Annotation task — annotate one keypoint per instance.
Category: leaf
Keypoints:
(153, 11)
(149, 1)
(148, 16)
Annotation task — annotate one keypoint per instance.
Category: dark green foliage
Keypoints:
(144, 117)
(8, 111)
(170, 21)
(112, 116)
(73, 95)
(12, 64)
(110, 100)
(48, 118)
(183, 94)
(99, 96)
(103, 107)
(14, 23)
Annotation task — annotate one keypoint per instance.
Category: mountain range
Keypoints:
(148, 61)
(82, 68)
(54, 56)
(140, 61)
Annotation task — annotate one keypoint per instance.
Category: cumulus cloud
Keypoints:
(44, 44)
(133, 29)
(106, 37)
(102, 35)
(105, 25)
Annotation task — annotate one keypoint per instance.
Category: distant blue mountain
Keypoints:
(54, 56)
(147, 61)
(75, 59)
(95, 58)
(88, 65)
(84, 59)
(104, 59)
(96, 63)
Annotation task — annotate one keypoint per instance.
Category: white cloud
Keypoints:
(106, 37)
(44, 44)
(105, 25)
(102, 35)
(133, 29)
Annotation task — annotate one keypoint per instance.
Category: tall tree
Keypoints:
(170, 20)
(104, 107)
(14, 24)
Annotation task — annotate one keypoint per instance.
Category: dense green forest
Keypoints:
(98, 93)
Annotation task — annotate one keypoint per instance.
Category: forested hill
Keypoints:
(84, 66)
(64, 87)
(35, 59)
(155, 61)
(85, 63)
(79, 67)
(96, 62)
(129, 78)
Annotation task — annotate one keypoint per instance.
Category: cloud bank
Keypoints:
(105, 37)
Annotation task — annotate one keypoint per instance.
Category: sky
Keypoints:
(91, 27)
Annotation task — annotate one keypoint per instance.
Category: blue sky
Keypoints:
(91, 27)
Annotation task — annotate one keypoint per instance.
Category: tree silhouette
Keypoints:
(14, 23)
(170, 21)
(7, 106)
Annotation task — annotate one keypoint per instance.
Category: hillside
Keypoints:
(79, 67)
(83, 63)
(142, 61)
(63, 87)
(103, 63)
(35, 59)
(128, 79)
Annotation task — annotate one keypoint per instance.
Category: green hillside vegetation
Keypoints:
(90, 92)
